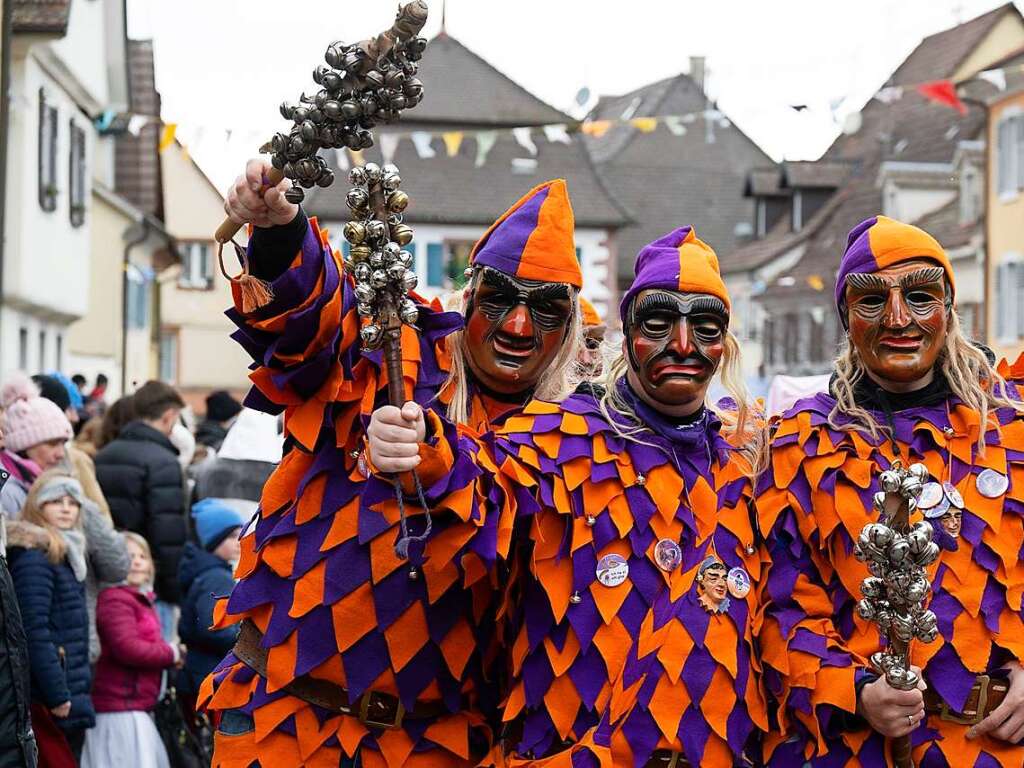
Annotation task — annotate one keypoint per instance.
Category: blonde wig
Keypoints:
(970, 375)
(744, 427)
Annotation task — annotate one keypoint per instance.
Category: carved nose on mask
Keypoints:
(680, 342)
(517, 323)
(896, 313)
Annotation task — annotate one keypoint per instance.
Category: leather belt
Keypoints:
(373, 708)
(986, 694)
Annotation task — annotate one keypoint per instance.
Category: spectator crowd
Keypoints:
(120, 527)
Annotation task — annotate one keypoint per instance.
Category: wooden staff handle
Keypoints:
(228, 228)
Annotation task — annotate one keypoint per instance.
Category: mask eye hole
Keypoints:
(657, 326)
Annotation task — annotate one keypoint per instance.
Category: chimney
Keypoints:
(697, 66)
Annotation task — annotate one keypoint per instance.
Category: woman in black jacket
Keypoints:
(17, 742)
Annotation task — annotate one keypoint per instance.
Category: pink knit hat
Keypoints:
(29, 419)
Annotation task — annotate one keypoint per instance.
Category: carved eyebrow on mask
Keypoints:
(539, 289)
(866, 281)
(685, 305)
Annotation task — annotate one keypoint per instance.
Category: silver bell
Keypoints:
(866, 610)
(391, 250)
(376, 259)
(409, 280)
(357, 199)
(911, 487)
(362, 272)
(389, 168)
(372, 171)
(920, 471)
(364, 310)
(365, 293)
(378, 278)
(410, 314)
(878, 501)
(396, 272)
(370, 334)
(375, 229)
(889, 481)
(404, 258)
(872, 587)
(391, 182)
(898, 551)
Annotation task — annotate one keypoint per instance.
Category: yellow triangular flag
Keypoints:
(167, 137)
(452, 141)
(644, 124)
(816, 282)
(596, 128)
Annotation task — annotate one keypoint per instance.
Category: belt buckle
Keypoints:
(967, 717)
(379, 701)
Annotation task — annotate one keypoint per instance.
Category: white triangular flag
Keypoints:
(675, 125)
(890, 94)
(421, 140)
(484, 143)
(557, 133)
(388, 145)
(341, 160)
(523, 139)
(136, 123)
(995, 76)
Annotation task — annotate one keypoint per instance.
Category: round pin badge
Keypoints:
(992, 484)
(931, 494)
(668, 554)
(738, 582)
(933, 513)
(612, 570)
(953, 495)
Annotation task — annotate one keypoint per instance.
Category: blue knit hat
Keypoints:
(215, 521)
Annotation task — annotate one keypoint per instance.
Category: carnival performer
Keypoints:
(628, 613)
(594, 330)
(348, 654)
(908, 386)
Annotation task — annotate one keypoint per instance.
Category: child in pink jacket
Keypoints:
(129, 672)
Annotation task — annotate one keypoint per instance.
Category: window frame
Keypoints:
(47, 155)
(77, 174)
(189, 279)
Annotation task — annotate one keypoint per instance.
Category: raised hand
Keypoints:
(250, 200)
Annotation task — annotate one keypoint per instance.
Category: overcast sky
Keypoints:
(226, 64)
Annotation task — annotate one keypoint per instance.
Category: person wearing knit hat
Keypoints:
(204, 574)
(221, 410)
(594, 330)
(617, 502)
(35, 433)
(908, 388)
(514, 331)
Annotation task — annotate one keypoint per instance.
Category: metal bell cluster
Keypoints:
(356, 93)
(377, 259)
(894, 594)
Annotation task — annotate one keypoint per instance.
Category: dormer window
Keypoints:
(47, 154)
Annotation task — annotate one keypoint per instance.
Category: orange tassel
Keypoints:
(255, 293)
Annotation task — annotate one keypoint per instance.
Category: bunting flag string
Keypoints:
(941, 92)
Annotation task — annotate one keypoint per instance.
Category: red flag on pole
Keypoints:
(942, 92)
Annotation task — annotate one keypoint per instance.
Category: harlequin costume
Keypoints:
(814, 501)
(325, 605)
(614, 656)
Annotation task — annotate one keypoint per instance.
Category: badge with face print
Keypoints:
(738, 583)
(668, 554)
(712, 585)
(612, 570)
(952, 521)
(931, 494)
(937, 510)
(992, 484)
(953, 495)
